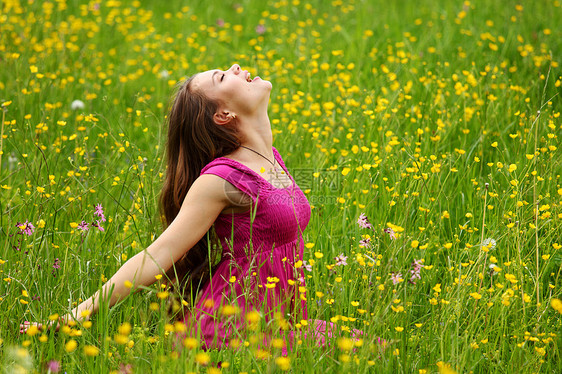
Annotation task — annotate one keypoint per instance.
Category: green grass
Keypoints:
(424, 116)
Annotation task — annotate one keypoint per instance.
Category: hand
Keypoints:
(26, 325)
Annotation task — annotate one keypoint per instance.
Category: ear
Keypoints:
(223, 117)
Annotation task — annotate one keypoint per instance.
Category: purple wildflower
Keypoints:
(56, 265)
(99, 212)
(396, 278)
(390, 232)
(415, 271)
(417, 264)
(306, 265)
(125, 369)
(53, 366)
(260, 29)
(363, 222)
(341, 260)
(83, 226)
(365, 242)
(220, 22)
(97, 225)
(26, 228)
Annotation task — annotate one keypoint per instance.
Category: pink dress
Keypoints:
(259, 269)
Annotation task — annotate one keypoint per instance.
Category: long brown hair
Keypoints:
(194, 140)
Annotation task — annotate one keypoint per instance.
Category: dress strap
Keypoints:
(229, 170)
(278, 158)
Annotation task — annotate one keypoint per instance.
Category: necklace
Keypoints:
(272, 163)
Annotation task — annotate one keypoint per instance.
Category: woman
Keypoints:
(224, 173)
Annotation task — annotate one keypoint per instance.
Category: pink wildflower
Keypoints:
(99, 212)
(363, 222)
(260, 29)
(97, 224)
(341, 260)
(365, 242)
(83, 226)
(53, 366)
(415, 271)
(396, 278)
(390, 232)
(26, 228)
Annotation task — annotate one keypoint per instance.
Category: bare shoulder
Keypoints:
(210, 186)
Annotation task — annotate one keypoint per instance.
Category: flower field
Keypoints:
(425, 135)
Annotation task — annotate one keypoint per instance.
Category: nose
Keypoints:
(235, 68)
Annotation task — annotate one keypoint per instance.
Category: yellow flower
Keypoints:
(556, 304)
(253, 316)
(229, 310)
(32, 330)
(90, 350)
(345, 344)
(202, 358)
(70, 345)
(541, 351)
(415, 243)
(399, 328)
(125, 328)
(190, 343)
(162, 295)
(476, 295)
(284, 363)
(120, 339)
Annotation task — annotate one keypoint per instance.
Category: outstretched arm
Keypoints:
(203, 203)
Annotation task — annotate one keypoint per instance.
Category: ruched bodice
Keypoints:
(259, 269)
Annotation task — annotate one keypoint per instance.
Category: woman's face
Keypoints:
(235, 90)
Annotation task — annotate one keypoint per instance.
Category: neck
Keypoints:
(256, 134)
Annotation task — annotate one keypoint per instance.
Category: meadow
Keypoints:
(425, 135)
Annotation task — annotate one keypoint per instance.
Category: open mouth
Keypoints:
(249, 79)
